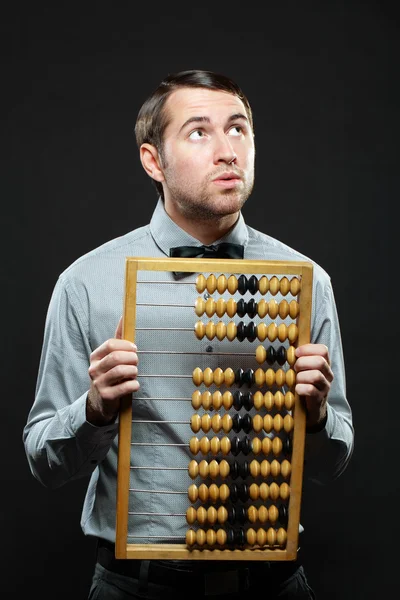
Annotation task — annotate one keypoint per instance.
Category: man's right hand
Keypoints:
(113, 371)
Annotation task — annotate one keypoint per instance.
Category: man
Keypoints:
(196, 141)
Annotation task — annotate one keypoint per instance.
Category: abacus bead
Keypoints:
(262, 331)
(276, 446)
(211, 537)
(203, 492)
(224, 468)
(221, 537)
(210, 307)
(208, 377)
(204, 445)
(194, 445)
(201, 284)
(233, 493)
(201, 537)
(274, 491)
(290, 378)
(281, 355)
(204, 469)
(256, 446)
(206, 423)
(242, 284)
(284, 286)
(253, 285)
(201, 515)
(195, 423)
(286, 468)
(206, 399)
(200, 330)
(236, 423)
(255, 468)
(227, 400)
(236, 446)
(289, 400)
(263, 285)
(193, 493)
(284, 491)
(273, 308)
(292, 333)
(241, 331)
(258, 397)
(268, 400)
(211, 283)
(196, 399)
(293, 309)
(271, 536)
(210, 330)
(295, 286)
(254, 491)
(251, 331)
(247, 423)
(219, 377)
(231, 331)
(222, 283)
(216, 422)
(224, 492)
(265, 468)
(261, 537)
(193, 469)
(246, 445)
(248, 377)
(266, 446)
(272, 332)
(288, 423)
(200, 306)
(229, 376)
(282, 332)
(216, 400)
(262, 308)
(252, 514)
(232, 284)
(225, 445)
(241, 308)
(280, 377)
(231, 307)
(271, 355)
(226, 422)
(197, 376)
(269, 377)
(248, 401)
(213, 492)
(251, 536)
(261, 354)
(252, 308)
(220, 330)
(222, 514)
(275, 468)
(278, 422)
(214, 469)
(283, 309)
(237, 400)
(279, 399)
(220, 307)
(281, 537)
(291, 355)
(190, 537)
(259, 377)
(263, 514)
(243, 492)
(274, 285)
(257, 423)
(268, 423)
(215, 445)
(264, 491)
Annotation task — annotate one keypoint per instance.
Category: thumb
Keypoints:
(118, 331)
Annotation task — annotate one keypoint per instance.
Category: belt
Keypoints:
(179, 574)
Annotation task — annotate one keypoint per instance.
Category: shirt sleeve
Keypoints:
(328, 452)
(59, 443)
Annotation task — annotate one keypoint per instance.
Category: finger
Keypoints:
(121, 379)
(313, 349)
(118, 331)
(112, 345)
(314, 363)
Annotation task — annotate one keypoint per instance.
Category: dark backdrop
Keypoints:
(322, 79)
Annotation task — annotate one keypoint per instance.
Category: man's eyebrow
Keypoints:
(194, 119)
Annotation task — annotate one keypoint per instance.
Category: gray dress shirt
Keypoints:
(84, 311)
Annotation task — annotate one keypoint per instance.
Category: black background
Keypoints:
(322, 80)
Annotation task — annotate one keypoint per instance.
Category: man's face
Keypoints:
(208, 154)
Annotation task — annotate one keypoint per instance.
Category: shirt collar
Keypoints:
(166, 233)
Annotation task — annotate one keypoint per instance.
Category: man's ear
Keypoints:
(151, 162)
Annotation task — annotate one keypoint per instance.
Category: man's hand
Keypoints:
(313, 381)
(113, 371)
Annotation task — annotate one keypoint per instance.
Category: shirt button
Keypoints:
(209, 349)
(206, 296)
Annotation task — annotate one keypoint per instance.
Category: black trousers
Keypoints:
(219, 580)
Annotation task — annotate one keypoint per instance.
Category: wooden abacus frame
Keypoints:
(125, 550)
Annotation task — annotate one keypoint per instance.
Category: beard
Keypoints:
(197, 203)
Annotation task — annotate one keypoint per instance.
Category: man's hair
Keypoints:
(153, 119)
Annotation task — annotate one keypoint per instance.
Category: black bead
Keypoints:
(248, 377)
(237, 400)
(247, 423)
(242, 284)
(231, 515)
(241, 516)
(281, 356)
(241, 331)
(248, 401)
(233, 493)
(239, 377)
(230, 536)
(253, 285)
(240, 537)
(251, 331)
(252, 308)
(244, 469)
(236, 446)
(241, 308)
(236, 423)
(271, 355)
(283, 515)
(243, 492)
(246, 446)
(234, 470)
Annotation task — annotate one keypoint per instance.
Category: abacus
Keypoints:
(229, 475)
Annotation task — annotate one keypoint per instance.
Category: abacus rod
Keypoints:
(196, 353)
(149, 514)
(160, 468)
(150, 421)
(156, 491)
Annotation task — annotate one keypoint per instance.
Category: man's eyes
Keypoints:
(235, 131)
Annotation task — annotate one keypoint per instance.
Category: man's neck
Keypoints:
(206, 231)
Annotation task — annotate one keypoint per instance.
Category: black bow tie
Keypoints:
(222, 250)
